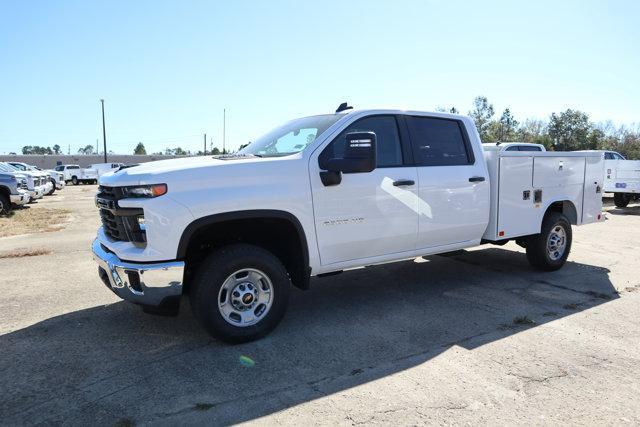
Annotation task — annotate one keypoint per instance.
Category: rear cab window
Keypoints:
(439, 141)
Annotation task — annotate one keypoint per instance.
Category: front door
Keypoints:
(367, 214)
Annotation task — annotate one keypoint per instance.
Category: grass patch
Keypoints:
(203, 406)
(33, 220)
(124, 422)
(523, 320)
(25, 252)
(599, 295)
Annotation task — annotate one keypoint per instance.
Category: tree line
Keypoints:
(568, 130)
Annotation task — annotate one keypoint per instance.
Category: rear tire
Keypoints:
(548, 251)
(621, 199)
(5, 204)
(53, 189)
(240, 283)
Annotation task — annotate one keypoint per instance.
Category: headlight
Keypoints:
(154, 190)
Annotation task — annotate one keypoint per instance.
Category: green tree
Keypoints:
(452, 110)
(88, 149)
(481, 114)
(140, 150)
(36, 149)
(176, 152)
(505, 129)
(215, 151)
(56, 149)
(535, 132)
(569, 130)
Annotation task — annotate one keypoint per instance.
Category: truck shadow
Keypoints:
(113, 363)
(629, 210)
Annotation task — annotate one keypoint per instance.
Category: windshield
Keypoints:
(290, 138)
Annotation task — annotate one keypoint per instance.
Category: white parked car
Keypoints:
(76, 175)
(36, 183)
(322, 194)
(621, 177)
(103, 168)
(55, 178)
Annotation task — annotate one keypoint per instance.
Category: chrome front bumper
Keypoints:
(20, 199)
(150, 284)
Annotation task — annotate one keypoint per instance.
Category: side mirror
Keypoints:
(359, 154)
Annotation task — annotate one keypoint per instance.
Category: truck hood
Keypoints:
(150, 173)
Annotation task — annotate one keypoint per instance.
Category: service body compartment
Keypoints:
(527, 183)
(622, 176)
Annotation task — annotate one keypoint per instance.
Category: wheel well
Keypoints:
(280, 235)
(566, 208)
(5, 191)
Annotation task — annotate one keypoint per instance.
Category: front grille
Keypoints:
(119, 223)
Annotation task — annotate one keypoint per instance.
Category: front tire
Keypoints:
(74, 180)
(548, 251)
(5, 204)
(621, 199)
(53, 189)
(240, 293)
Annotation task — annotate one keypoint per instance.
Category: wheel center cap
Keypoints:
(247, 298)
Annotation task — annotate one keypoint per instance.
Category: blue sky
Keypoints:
(167, 69)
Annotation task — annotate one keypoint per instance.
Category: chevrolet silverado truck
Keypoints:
(13, 191)
(56, 179)
(36, 185)
(323, 194)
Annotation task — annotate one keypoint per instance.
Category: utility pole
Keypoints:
(104, 132)
(97, 148)
(69, 149)
(224, 123)
(205, 144)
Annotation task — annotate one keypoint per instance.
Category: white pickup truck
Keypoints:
(622, 178)
(326, 193)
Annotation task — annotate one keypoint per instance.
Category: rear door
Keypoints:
(453, 182)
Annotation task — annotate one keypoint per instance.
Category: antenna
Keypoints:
(343, 107)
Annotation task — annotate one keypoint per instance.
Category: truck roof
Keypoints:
(501, 146)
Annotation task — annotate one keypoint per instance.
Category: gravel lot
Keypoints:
(475, 337)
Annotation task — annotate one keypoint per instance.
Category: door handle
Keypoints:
(403, 182)
(476, 179)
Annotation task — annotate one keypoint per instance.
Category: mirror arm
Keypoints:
(330, 178)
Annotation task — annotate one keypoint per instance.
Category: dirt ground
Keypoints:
(477, 337)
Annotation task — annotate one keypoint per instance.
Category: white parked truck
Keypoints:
(76, 175)
(322, 194)
(103, 168)
(621, 177)
(56, 179)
